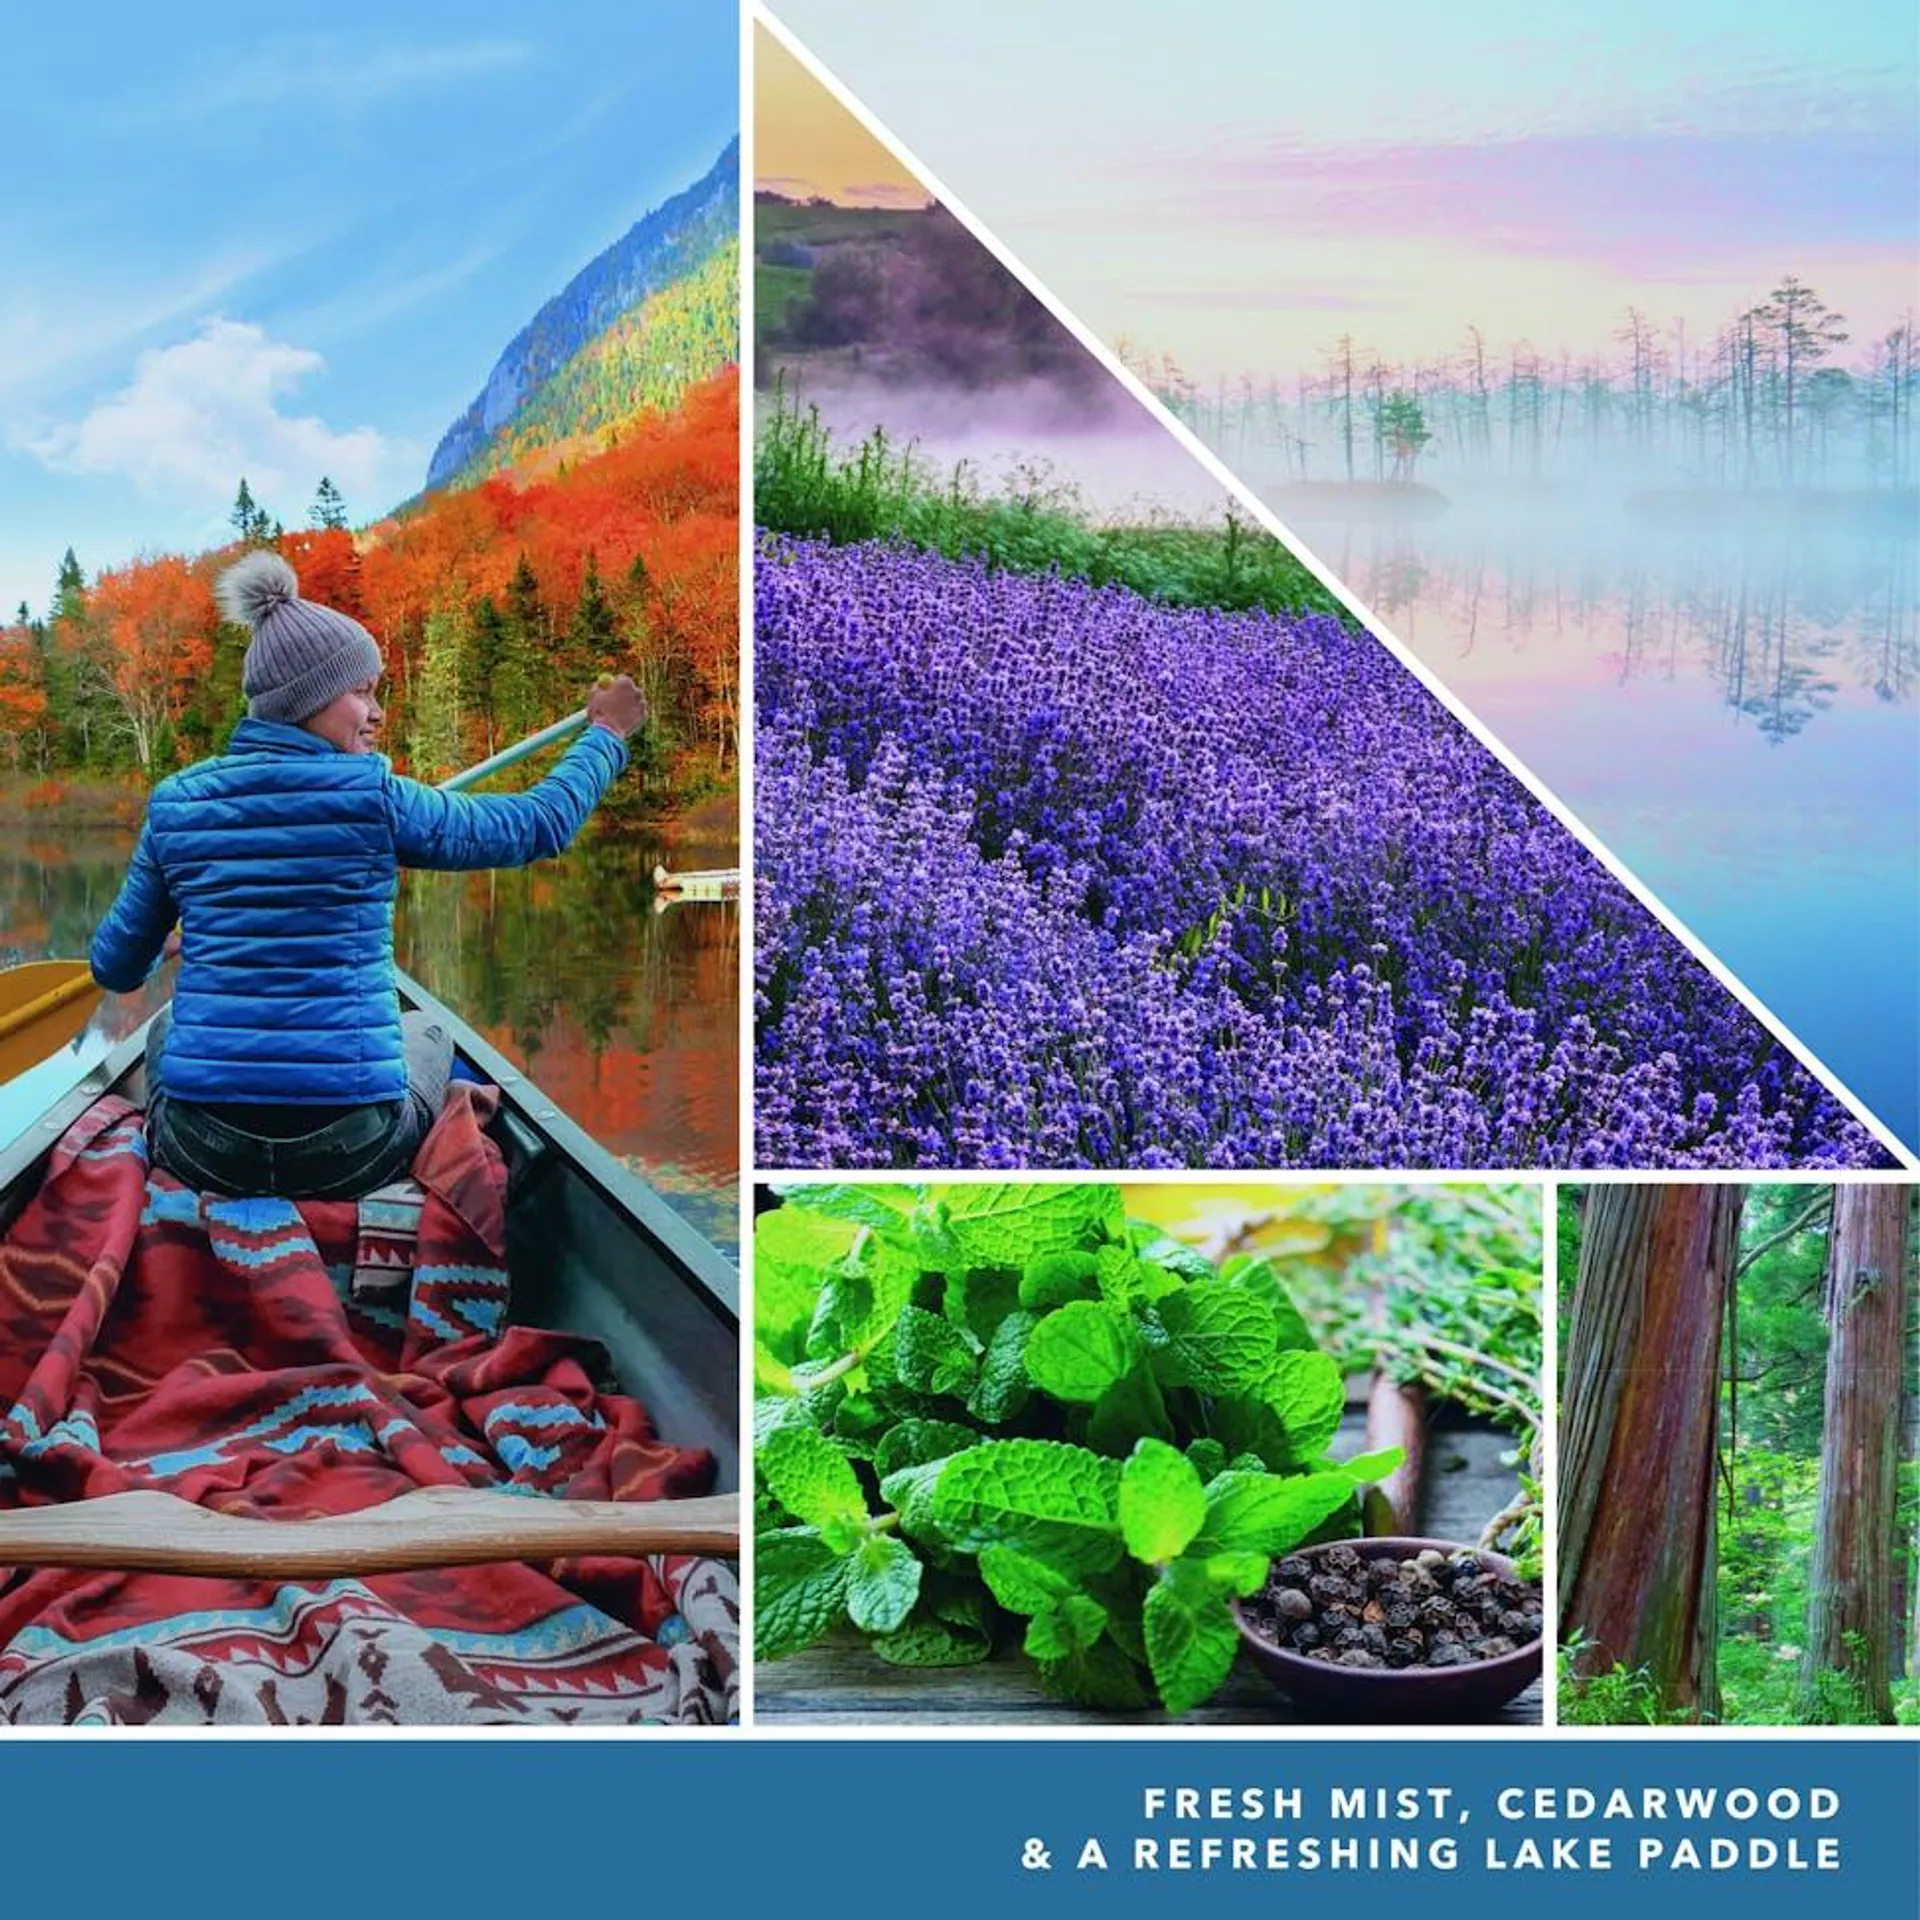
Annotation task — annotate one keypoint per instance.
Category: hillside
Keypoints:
(650, 317)
(907, 298)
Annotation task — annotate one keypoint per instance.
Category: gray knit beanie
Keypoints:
(302, 655)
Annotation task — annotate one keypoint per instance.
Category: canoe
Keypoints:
(592, 1249)
(707, 883)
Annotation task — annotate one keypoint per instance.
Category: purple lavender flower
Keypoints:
(1050, 875)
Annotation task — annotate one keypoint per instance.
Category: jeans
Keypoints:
(342, 1160)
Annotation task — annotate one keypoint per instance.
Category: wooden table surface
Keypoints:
(839, 1682)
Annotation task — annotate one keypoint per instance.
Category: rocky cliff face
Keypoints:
(665, 247)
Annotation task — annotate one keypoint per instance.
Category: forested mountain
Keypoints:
(650, 317)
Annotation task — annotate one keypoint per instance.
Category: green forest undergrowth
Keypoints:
(884, 489)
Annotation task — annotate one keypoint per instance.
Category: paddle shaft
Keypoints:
(432, 1527)
(512, 756)
(49, 1002)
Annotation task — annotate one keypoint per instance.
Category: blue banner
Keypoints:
(996, 1827)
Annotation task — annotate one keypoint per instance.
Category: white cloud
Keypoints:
(344, 75)
(200, 414)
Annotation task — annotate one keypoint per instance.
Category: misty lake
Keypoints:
(1732, 712)
(627, 1018)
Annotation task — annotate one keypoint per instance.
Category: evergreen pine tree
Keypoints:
(246, 512)
(433, 739)
(641, 655)
(523, 599)
(531, 643)
(70, 589)
(73, 666)
(218, 702)
(482, 671)
(593, 638)
(329, 510)
(520, 689)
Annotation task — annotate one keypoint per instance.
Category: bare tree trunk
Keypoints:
(1850, 1603)
(1900, 1656)
(1639, 1433)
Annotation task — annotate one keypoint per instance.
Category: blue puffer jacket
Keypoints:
(280, 860)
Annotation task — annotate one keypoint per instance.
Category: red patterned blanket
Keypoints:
(223, 1350)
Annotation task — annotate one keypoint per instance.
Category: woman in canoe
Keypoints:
(287, 1067)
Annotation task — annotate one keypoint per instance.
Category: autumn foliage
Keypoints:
(496, 607)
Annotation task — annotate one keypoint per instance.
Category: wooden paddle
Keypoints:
(44, 1004)
(434, 1527)
(511, 756)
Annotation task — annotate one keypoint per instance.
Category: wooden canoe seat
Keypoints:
(435, 1527)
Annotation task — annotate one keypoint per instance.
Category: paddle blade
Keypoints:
(44, 1005)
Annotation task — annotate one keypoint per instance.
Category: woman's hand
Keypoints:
(619, 706)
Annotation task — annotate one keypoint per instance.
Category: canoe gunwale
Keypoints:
(21, 1158)
(699, 1264)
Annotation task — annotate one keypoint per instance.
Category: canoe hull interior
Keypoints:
(576, 1264)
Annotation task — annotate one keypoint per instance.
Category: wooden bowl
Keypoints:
(1397, 1693)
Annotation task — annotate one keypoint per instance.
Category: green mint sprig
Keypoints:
(994, 1408)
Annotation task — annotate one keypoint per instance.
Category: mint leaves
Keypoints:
(1190, 1637)
(1080, 1350)
(1000, 1416)
(1060, 1503)
(1162, 1503)
(815, 1482)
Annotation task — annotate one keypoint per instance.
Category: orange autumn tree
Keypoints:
(621, 554)
(156, 620)
(24, 710)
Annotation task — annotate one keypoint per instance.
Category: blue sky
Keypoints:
(238, 245)
(1238, 184)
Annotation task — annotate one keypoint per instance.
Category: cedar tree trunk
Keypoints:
(1639, 1429)
(1850, 1599)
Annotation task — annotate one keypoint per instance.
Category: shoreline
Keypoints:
(54, 802)
(57, 804)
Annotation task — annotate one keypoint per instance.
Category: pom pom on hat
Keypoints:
(252, 588)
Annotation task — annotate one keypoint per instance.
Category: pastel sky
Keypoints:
(805, 143)
(1240, 184)
(238, 245)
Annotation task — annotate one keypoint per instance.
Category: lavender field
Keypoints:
(1051, 875)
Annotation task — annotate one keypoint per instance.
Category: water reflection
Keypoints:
(625, 1017)
(1732, 712)
(1778, 631)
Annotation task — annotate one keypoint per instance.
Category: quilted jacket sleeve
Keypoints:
(460, 830)
(127, 946)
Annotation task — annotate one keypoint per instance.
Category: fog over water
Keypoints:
(1722, 690)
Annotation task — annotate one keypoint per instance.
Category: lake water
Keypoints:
(626, 1017)
(1731, 711)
